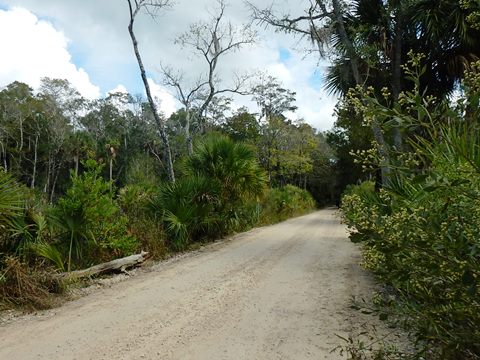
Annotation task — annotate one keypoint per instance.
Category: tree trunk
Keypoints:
(188, 135)
(111, 172)
(32, 186)
(397, 72)
(49, 166)
(55, 178)
(21, 135)
(354, 64)
(342, 34)
(4, 156)
(114, 265)
(153, 106)
(76, 159)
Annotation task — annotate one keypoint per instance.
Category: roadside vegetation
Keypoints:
(92, 218)
(407, 148)
(420, 231)
(86, 182)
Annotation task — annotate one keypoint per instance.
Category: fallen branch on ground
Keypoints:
(114, 265)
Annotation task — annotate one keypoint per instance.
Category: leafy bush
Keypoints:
(426, 247)
(12, 202)
(282, 203)
(135, 202)
(187, 210)
(93, 228)
(421, 232)
(232, 166)
(134, 199)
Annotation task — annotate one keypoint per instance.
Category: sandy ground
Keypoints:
(279, 292)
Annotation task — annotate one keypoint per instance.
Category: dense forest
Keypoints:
(88, 181)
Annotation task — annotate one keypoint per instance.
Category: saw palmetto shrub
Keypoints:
(217, 194)
(12, 205)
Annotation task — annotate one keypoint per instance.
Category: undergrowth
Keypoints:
(24, 286)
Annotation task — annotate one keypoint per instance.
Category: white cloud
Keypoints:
(33, 48)
(118, 89)
(281, 72)
(166, 103)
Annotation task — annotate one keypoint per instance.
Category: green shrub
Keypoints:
(134, 199)
(421, 232)
(12, 204)
(94, 230)
(135, 202)
(187, 210)
(282, 203)
(217, 195)
(232, 166)
(426, 248)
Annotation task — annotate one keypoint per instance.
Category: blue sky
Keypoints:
(284, 55)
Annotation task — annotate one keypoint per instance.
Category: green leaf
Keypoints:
(419, 179)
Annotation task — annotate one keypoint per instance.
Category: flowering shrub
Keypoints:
(427, 248)
(421, 231)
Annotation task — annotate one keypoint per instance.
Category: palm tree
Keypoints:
(187, 209)
(233, 165)
(453, 43)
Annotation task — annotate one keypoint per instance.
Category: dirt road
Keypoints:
(279, 292)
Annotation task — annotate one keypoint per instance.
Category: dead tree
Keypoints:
(151, 7)
(211, 41)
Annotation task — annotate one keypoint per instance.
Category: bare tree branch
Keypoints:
(316, 24)
(320, 24)
(210, 40)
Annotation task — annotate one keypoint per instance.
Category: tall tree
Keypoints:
(242, 126)
(211, 41)
(274, 101)
(63, 105)
(151, 7)
(272, 98)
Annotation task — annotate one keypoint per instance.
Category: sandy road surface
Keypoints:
(279, 292)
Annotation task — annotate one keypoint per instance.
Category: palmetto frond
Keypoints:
(233, 165)
(11, 200)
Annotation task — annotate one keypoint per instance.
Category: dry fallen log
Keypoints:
(114, 265)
